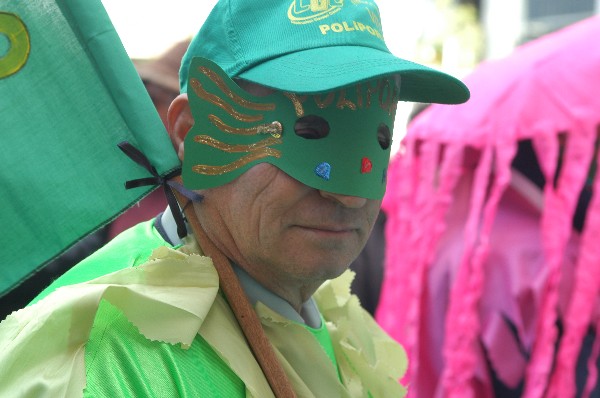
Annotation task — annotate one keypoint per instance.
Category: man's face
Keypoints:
(282, 231)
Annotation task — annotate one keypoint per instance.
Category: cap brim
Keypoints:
(328, 68)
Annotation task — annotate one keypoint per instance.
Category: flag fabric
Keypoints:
(69, 94)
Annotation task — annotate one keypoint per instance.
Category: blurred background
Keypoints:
(451, 35)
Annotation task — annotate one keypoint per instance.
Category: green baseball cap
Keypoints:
(311, 46)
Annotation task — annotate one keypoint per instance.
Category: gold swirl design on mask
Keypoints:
(218, 81)
(274, 128)
(218, 101)
(226, 100)
(241, 162)
(210, 141)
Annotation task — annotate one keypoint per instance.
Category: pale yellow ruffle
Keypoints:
(42, 346)
(369, 360)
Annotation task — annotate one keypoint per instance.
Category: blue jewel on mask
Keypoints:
(323, 170)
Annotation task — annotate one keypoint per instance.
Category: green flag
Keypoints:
(69, 94)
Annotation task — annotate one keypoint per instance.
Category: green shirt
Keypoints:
(161, 328)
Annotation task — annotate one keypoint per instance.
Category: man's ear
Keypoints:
(179, 122)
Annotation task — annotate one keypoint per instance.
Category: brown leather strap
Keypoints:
(241, 307)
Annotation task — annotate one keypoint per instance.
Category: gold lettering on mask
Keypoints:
(343, 102)
(218, 170)
(359, 97)
(324, 103)
(395, 99)
(297, 101)
(386, 94)
(372, 88)
(382, 92)
(393, 108)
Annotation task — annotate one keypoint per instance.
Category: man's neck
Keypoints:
(308, 313)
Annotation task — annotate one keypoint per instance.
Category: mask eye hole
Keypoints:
(384, 136)
(311, 127)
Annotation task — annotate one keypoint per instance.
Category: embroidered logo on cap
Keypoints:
(303, 12)
(307, 11)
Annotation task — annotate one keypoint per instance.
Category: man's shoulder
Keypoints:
(124, 323)
(128, 249)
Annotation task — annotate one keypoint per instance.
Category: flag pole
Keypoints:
(236, 297)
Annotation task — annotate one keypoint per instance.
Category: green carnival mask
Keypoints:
(337, 142)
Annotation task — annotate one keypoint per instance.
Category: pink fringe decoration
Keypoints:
(416, 252)
(544, 90)
(559, 207)
(462, 322)
(582, 307)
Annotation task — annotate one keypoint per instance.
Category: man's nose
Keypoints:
(353, 202)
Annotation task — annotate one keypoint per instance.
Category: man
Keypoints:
(283, 173)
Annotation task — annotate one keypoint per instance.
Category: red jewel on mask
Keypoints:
(366, 166)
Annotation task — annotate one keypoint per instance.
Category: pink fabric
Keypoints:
(418, 248)
(556, 229)
(583, 309)
(466, 292)
(466, 248)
